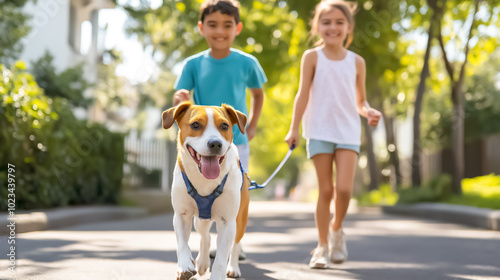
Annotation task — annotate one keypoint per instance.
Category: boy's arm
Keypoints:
(256, 108)
(184, 83)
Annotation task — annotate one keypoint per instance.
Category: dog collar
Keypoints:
(205, 203)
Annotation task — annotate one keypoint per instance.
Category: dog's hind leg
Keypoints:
(203, 259)
(233, 269)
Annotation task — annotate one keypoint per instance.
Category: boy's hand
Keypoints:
(181, 96)
(373, 117)
(250, 132)
(292, 138)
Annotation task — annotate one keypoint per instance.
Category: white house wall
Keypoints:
(51, 23)
(50, 29)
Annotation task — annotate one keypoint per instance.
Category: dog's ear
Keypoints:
(171, 115)
(236, 117)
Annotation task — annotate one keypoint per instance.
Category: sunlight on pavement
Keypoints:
(408, 226)
(472, 277)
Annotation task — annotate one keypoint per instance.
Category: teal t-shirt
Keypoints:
(217, 81)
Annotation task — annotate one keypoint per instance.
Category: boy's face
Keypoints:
(219, 30)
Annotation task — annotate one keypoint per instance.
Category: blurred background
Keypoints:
(83, 84)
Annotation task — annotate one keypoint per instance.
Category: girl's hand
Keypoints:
(373, 117)
(292, 138)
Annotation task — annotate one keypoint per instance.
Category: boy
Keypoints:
(222, 74)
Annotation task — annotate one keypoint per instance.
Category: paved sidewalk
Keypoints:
(279, 238)
(466, 215)
(67, 216)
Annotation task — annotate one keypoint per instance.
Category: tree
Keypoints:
(482, 107)
(13, 23)
(417, 150)
(374, 36)
(69, 84)
(457, 92)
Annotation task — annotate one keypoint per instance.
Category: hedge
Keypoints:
(59, 160)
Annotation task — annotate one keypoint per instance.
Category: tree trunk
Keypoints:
(392, 149)
(457, 97)
(458, 139)
(416, 161)
(372, 162)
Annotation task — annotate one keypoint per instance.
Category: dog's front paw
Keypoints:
(202, 264)
(185, 275)
(233, 272)
(186, 271)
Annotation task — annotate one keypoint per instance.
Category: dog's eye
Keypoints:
(224, 126)
(195, 126)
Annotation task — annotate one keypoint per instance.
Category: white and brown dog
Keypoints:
(208, 185)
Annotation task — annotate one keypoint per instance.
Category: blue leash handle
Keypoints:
(254, 185)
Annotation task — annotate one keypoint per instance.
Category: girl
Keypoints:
(330, 99)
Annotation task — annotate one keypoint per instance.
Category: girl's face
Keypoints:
(333, 27)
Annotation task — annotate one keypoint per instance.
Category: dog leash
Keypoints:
(254, 185)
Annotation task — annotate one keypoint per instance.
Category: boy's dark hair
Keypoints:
(226, 7)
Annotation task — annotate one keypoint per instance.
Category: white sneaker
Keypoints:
(337, 246)
(319, 257)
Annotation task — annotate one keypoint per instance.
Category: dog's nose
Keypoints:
(214, 145)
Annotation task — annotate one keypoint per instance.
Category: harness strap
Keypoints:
(205, 203)
(242, 175)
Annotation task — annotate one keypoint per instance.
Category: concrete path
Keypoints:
(279, 239)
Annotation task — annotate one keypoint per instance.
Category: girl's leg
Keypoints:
(324, 171)
(345, 162)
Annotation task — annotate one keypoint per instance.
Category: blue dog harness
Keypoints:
(205, 203)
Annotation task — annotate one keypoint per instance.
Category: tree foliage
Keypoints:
(482, 108)
(13, 23)
(69, 84)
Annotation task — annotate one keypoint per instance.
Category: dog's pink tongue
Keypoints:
(210, 167)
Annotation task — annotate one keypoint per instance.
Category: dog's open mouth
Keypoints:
(209, 166)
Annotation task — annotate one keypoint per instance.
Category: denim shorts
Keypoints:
(315, 147)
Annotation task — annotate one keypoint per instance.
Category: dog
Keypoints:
(208, 184)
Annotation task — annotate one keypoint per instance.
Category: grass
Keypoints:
(482, 191)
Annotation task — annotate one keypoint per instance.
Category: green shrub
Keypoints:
(436, 189)
(381, 196)
(59, 160)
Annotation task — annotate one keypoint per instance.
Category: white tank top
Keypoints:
(331, 114)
